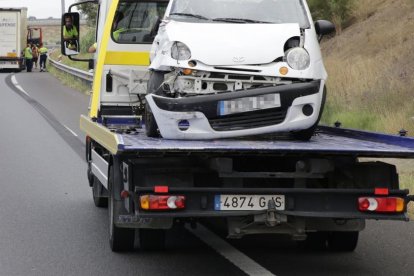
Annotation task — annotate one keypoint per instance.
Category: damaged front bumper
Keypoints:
(283, 108)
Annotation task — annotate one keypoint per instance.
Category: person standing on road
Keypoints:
(43, 57)
(29, 58)
(35, 53)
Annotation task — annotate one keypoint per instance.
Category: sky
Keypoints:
(38, 8)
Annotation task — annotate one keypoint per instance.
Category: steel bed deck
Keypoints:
(329, 141)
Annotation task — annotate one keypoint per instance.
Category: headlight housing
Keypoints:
(298, 58)
(180, 51)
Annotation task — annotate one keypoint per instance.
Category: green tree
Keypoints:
(338, 11)
(90, 10)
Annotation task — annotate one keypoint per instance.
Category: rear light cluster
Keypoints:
(162, 202)
(381, 204)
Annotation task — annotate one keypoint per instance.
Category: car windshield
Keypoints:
(241, 11)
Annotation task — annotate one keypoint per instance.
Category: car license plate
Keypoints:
(249, 104)
(247, 202)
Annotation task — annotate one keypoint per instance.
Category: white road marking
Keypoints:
(14, 81)
(71, 131)
(225, 249)
(16, 84)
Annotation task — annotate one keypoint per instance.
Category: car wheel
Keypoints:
(154, 86)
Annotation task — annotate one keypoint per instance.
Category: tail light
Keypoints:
(162, 202)
(381, 204)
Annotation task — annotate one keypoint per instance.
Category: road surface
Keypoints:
(50, 226)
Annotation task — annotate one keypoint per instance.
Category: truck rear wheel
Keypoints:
(343, 241)
(151, 239)
(120, 239)
(315, 241)
(98, 193)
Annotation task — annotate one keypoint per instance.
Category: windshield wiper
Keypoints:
(238, 20)
(190, 15)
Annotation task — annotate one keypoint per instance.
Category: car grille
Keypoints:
(254, 119)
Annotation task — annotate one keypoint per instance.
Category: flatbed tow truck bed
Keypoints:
(327, 141)
(319, 186)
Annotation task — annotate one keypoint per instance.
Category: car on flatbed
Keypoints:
(231, 68)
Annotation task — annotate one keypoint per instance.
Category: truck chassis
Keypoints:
(320, 186)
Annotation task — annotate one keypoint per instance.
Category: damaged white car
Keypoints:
(230, 68)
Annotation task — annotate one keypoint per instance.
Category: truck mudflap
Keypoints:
(298, 202)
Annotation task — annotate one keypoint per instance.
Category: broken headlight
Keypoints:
(180, 51)
(298, 58)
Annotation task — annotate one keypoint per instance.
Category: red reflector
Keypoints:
(124, 194)
(382, 191)
(161, 189)
(363, 204)
(165, 202)
(381, 204)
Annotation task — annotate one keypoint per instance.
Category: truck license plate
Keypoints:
(247, 202)
(249, 104)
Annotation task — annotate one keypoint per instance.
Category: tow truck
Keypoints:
(34, 35)
(319, 191)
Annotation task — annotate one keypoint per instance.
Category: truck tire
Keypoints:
(90, 175)
(154, 87)
(151, 239)
(316, 241)
(120, 239)
(343, 241)
(98, 193)
(306, 134)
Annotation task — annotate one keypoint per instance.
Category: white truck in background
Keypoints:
(13, 29)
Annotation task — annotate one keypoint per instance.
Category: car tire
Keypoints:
(154, 87)
(151, 127)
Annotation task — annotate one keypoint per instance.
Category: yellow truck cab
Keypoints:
(125, 31)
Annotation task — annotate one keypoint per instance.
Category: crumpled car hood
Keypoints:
(219, 44)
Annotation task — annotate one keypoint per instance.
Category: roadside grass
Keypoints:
(56, 55)
(69, 80)
(370, 67)
(406, 174)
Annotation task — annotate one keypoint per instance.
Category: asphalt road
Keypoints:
(50, 226)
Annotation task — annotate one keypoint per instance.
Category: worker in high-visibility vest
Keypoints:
(28, 56)
(70, 34)
(43, 57)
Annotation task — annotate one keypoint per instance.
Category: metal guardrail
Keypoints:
(86, 76)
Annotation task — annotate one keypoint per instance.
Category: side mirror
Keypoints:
(70, 34)
(324, 27)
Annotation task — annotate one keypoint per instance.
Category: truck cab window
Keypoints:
(134, 22)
